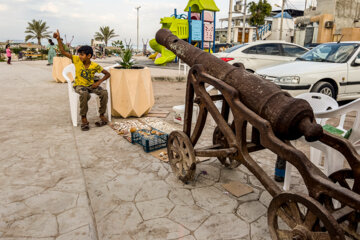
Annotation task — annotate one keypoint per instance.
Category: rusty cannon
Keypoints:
(331, 210)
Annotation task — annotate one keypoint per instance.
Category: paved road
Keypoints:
(58, 182)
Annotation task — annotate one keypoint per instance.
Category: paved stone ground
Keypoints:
(58, 182)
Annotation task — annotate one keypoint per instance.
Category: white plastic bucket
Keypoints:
(179, 113)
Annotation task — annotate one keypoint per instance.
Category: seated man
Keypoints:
(84, 83)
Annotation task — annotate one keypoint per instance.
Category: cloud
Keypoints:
(3, 7)
(49, 7)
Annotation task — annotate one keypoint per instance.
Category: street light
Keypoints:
(137, 32)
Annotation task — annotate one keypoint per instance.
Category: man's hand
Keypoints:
(60, 44)
(56, 34)
(95, 85)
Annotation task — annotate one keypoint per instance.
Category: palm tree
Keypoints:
(259, 11)
(105, 34)
(37, 30)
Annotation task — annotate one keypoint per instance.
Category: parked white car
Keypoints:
(331, 68)
(262, 54)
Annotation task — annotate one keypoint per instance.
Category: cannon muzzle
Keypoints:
(289, 117)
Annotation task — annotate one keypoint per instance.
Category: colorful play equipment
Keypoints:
(197, 27)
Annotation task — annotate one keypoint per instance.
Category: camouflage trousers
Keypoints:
(84, 93)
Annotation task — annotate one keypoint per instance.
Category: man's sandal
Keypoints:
(85, 126)
(101, 123)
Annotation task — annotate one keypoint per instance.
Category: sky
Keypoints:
(82, 18)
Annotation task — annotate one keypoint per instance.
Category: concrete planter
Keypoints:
(131, 92)
(59, 63)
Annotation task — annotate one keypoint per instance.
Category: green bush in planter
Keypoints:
(127, 60)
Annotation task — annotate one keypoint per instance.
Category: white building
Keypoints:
(287, 30)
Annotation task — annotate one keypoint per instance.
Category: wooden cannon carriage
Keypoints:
(331, 210)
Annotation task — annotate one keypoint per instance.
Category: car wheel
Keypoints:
(325, 88)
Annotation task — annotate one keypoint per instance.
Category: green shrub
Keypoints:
(15, 50)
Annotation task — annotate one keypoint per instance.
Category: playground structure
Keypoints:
(197, 27)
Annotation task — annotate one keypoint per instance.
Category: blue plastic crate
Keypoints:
(152, 142)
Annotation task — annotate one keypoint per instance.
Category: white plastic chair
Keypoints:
(319, 103)
(186, 67)
(74, 97)
(180, 109)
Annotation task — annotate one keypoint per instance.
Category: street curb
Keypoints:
(169, 79)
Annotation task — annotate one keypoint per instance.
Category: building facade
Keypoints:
(330, 20)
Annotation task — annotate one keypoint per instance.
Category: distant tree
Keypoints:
(259, 11)
(105, 34)
(37, 30)
(118, 44)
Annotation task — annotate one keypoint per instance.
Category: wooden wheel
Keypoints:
(299, 217)
(219, 138)
(349, 220)
(181, 156)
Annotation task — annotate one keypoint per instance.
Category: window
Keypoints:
(229, 50)
(331, 52)
(292, 51)
(250, 50)
(264, 49)
(268, 49)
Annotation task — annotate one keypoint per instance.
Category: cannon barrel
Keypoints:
(289, 117)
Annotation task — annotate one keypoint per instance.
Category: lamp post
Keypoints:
(137, 32)
(282, 18)
(244, 21)
(229, 22)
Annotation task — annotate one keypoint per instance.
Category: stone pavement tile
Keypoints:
(36, 226)
(12, 212)
(159, 229)
(228, 175)
(73, 219)
(83, 233)
(70, 184)
(152, 190)
(157, 168)
(259, 229)
(123, 236)
(213, 200)
(189, 216)
(98, 175)
(181, 197)
(222, 226)
(121, 220)
(250, 211)
(212, 172)
(18, 193)
(200, 182)
(53, 201)
(102, 200)
(255, 182)
(125, 187)
(155, 208)
(189, 237)
(265, 198)
(11, 238)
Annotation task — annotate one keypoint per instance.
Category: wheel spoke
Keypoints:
(320, 235)
(295, 212)
(284, 234)
(310, 219)
(344, 183)
(286, 218)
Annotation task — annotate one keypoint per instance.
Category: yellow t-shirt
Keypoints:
(85, 76)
